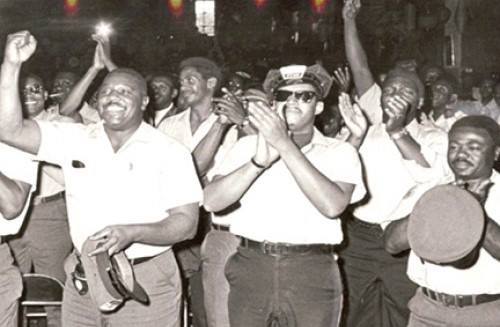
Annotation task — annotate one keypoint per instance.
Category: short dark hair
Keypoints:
(484, 123)
(141, 82)
(449, 81)
(206, 67)
(407, 75)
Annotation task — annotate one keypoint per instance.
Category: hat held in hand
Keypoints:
(446, 224)
(110, 278)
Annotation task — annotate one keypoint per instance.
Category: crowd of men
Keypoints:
(271, 221)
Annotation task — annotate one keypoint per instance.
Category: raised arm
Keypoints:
(14, 130)
(356, 56)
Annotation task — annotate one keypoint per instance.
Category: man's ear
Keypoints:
(175, 93)
(45, 95)
(145, 101)
(453, 98)
(319, 107)
(420, 103)
(497, 153)
(212, 83)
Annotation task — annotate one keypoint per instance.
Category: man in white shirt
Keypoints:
(400, 157)
(466, 296)
(290, 183)
(443, 112)
(164, 92)
(122, 179)
(486, 106)
(44, 242)
(18, 175)
(204, 127)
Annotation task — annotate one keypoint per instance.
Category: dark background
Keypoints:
(252, 35)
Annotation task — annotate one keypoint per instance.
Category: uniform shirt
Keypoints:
(389, 177)
(482, 277)
(51, 177)
(148, 175)
(275, 209)
(17, 165)
(179, 127)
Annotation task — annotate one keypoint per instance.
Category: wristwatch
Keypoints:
(399, 134)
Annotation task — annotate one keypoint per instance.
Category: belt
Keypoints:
(459, 300)
(286, 248)
(220, 227)
(46, 199)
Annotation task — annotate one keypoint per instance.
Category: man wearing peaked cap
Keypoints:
(290, 184)
(455, 255)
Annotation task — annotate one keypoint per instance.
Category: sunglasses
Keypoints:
(304, 96)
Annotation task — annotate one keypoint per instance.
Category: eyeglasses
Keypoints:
(37, 89)
(305, 96)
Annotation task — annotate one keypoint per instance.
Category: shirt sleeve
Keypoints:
(240, 153)
(369, 102)
(18, 165)
(342, 164)
(180, 184)
(57, 140)
(433, 146)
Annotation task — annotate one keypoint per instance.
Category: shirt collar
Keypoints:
(142, 134)
(318, 139)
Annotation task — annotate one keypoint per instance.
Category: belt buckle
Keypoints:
(271, 248)
(79, 280)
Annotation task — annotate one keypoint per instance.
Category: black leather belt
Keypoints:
(286, 248)
(459, 300)
(45, 199)
(220, 227)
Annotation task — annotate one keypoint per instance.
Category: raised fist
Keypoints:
(20, 47)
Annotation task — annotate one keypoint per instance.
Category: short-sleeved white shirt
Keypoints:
(17, 165)
(482, 277)
(179, 127)
(390, 179)
(150, 174)
(275, 209)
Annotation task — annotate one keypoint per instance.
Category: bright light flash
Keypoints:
(103, 29)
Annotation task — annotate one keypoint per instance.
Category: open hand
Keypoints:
(342, 77)
(353, 117)
(351, 9)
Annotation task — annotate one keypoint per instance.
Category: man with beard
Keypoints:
(398, 155)
(122, 179)
(464, 296)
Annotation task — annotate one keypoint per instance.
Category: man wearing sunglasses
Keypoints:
(289, 184)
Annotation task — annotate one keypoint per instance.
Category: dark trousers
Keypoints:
(377, 286)
(283, 290)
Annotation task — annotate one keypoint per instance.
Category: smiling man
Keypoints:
(122, 180)
(450, 296)
(290, 184)
(164, 92)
